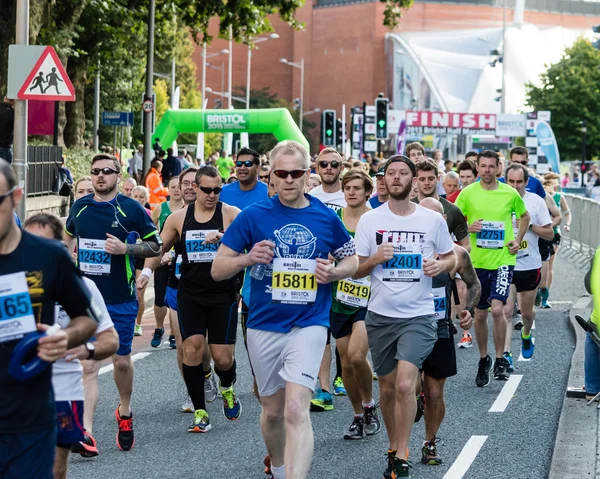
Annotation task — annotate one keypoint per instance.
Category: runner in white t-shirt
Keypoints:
(527, 274)
(395, 244)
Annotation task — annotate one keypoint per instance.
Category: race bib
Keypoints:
(405, 266)
(92, 257)
(522, 253)
(16, 312)
(491, 235)
(178, 266)
(294, 281)
(354, 292)
(439, 302)
(197, 250)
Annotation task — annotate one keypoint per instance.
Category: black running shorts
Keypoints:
(220, 319)
(526, 280)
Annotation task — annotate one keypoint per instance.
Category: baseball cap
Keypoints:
(400, 159)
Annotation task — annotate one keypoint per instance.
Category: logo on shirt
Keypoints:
(295, 241)
(399, 237)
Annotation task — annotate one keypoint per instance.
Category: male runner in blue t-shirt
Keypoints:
(289, 307)
(110, 229)
(247, 189)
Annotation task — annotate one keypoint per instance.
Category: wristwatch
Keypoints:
(91, 349)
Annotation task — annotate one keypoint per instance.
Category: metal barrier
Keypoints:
(585, 225)
(42, 169)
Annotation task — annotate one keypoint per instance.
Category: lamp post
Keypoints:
(220, 69)
(205, 56)
(225, 95)
(272, 36)
(583, 124)
(316, 110)
(301, 66)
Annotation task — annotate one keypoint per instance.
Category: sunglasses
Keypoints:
(247, 163)
(7, 194)
(263, 177)
(283, 174)
(325, 164)
(208, 191)
(105, 171)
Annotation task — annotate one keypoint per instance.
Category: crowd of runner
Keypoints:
(390, 258)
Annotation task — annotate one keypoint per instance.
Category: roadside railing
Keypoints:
(42, 169)
(585, 225)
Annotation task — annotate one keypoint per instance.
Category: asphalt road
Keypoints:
(515, 441)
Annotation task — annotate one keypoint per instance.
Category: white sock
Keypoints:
(278, 472)
(371, 404)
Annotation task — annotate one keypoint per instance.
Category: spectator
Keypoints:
(184, 160)
(566, 180)
(136, 164)
(592, 350)
(7, 121)
(158, 193)
(438, 157)
(156, 146)
(171, 167)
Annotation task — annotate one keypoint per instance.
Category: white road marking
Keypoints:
(521, 358)
(466, 457)
(110, 367)
(506, 394)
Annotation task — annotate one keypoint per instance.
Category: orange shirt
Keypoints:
(158, 193)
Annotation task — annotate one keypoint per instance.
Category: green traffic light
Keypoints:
(381, 123)
(329, 132)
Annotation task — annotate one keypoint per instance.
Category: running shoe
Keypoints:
(157, 337)
(545, 294)
(267, 463)
(420, 407)
(387, 474)
(125, 437)
(200, 422)
(323, 401)
(466, 341)
(401, 468)
(87, 447)
(172, 342)
(429, 456)
(232, 407)
(509, 358)
(545, 304)
(518, 324)
(356, 429)
(138, 330)
(527, 346)
(501, 369)
(372, 423)
(210, 389)
(483, 372)
(538, 298)
(188, 405)
(375, 377)
(338, 387)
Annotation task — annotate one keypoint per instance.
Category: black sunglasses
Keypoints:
(247, 163)
(263, 177)
(325, 164)
(7, 194)
(208, 191)
(105, 171)
(283, 174)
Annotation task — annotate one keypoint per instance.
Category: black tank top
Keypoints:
(196, 282)
(442, 291)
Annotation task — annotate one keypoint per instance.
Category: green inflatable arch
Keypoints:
(277, 121)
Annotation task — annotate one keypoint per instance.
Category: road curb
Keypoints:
(575, 448)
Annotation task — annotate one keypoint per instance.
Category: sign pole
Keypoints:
(147, 115)
(96, 145)
(20, 125)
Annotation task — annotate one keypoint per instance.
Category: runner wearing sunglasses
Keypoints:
(106, 226)
(205, 306)
(247, 190)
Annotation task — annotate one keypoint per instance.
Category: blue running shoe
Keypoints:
(511, 365)
(172, 342)
(232, 407)
(338, 387)
(527, 346)
(157, 337)
(323, 401)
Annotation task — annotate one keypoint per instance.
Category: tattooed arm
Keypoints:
(464, 267)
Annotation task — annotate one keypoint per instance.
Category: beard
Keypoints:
(105, 188)
(403, 194)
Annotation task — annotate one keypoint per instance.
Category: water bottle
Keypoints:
(258, 270)
(23, 372)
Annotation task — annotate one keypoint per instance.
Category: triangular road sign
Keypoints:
(48, 80)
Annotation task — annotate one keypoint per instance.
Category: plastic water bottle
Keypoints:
(258, 270)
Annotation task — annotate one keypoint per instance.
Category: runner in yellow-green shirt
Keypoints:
(489, 207)
(225, 165)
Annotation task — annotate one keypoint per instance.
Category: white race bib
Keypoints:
(354, 292)
(523, 250)
(197, 250)
(92, 257)
(405, 266)
(16, 312)
(439, 302)
(294, 281)
(491, 235)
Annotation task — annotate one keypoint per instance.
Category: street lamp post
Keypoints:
(147, 116)
(301, 66)
(583, 124)
(225, 95)
(205, 56)
(272, 36)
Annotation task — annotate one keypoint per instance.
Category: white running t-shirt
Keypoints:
(529, 256)
(399, 289)
(336, 201)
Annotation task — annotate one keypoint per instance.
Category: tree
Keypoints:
(570, 89)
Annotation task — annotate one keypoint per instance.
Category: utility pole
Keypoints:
(148, 95)
(20, 125)
(96, 145)
(583, 149)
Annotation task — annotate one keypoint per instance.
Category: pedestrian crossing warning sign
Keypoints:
(48, 80)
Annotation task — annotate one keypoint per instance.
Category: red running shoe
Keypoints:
(125, 438)
(87, 447)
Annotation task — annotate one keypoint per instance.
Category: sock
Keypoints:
(338, 364)
(194, 381)
(227, 377)
(544, 293)
(278, 472)
(371, 404)
(526, 336)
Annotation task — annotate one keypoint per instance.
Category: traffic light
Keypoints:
(381, 116)
(338, 131)
(328, 127)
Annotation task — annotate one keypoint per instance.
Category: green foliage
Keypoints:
(570, 89)
(212, 143)
(79, 161)
(162, 98)
(393, 11)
